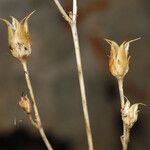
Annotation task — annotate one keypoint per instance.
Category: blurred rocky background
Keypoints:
(54, 76)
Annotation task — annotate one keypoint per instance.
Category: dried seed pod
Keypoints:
(130, 113)
(19, 38)
(25, 104)
(119, 59)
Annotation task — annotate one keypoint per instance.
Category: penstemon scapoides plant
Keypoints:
(20, 46)
(119, 66)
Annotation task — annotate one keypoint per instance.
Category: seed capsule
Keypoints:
(18, 37)
(119, 59)
(25, 104)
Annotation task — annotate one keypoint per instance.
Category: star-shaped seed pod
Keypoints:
(130, 113)
(119, 59)
(18, 37)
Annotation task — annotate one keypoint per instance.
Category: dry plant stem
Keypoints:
(82, 87)
(32, 121)
(121, 92)
(62, 11)
(125, 137)
(37, 123)
(126, 131)
(71, 19)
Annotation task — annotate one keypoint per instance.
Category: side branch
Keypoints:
(37, 122)
(62, 11)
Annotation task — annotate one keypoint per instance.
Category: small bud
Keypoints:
(130, 113)
(25, 104)
(119, 59)
(19, 38)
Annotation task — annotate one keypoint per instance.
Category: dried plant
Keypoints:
(20, 47)
(71, 18)
(119, 66)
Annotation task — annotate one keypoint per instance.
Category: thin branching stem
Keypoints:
(126, 130)
(37, 120)
(72, 21)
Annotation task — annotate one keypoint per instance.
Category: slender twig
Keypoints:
(125, 138)
(82, 87)
(62, 11)
(71, 18)
(74, 10)
(126, 130)
(121, 92)
(37, 123)
(33, 122)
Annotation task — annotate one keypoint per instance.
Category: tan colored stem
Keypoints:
(126, 130)
(62, 11)
(82, 87)
(37, 116)
(125, 137)
(72, 21)
(121, 92)
(33, 122)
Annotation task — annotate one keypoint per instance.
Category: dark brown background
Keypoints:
(54, 76)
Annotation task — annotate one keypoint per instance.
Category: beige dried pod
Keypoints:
(18, 37)
(119, 59)
(130, 113)
(25, 104)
